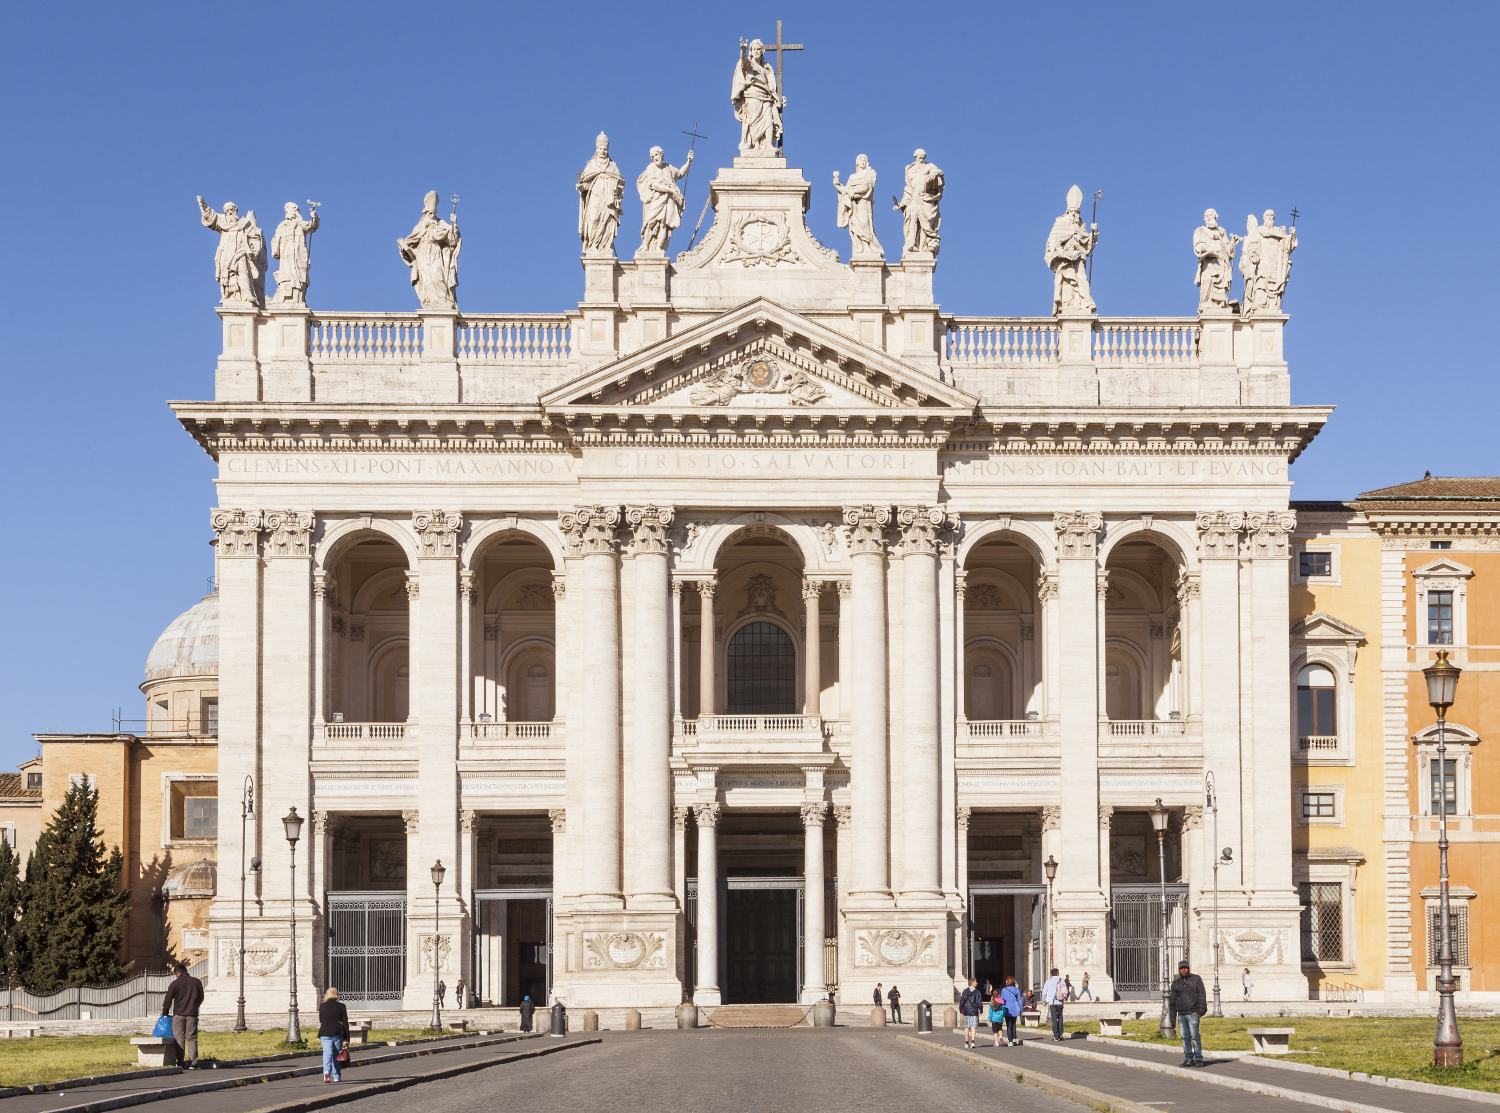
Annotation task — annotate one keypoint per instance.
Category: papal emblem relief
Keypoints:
(761, 375)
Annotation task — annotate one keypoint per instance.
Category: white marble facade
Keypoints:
(1033, 573)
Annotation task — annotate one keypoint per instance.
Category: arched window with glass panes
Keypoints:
(761, 670)
(1317, 718)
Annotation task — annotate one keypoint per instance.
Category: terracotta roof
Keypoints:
(12, 786)
(1439, 488)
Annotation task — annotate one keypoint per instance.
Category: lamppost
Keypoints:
(1050, 868)
(1211, 799)
(1159, 816)
(292, 823)
(437, 880)
(247, 812)
(1448, 1045)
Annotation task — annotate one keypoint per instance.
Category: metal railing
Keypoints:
(1347, 992)
(134, 998)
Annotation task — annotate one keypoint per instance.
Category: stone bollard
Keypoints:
(877, 1017)
(950, 1018)
(632, 1020)
(924, 1018)
(823, 1013)
(591, 1022)
(687, 1015)
(559, 1020)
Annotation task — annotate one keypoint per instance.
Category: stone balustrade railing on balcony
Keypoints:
(479, 338)
(1147, 728)
(1318, 742)
(370, 733)
(515, 732)
(1002, 728)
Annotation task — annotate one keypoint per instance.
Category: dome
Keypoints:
(190, 646)
(196, 879)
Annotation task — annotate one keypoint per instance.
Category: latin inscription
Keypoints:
(1113, 469)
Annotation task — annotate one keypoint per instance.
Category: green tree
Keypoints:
(73, 909)
(10, 911)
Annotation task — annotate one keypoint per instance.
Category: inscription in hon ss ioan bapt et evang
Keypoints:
(1112, 469)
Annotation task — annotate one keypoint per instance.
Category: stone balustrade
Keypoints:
(479, 338)
(510, 732)
(995, 342)
(368, 732)
(1147, 728)
(1004, 728)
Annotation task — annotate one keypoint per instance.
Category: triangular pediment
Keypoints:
(1444, 566)
(1320, 625)
(759, 357)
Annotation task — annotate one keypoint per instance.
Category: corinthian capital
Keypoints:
(814, 813)
(867, 527)
(650, 524)
(437, 532)
(590, 529)
(707, 814)
(291, 533)
(237, 531)
(1266, 534)
(922, 527)
(1219, 533)
(1077, 533)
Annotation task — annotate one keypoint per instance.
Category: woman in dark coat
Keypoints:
(527, 1008)
(333, 1033)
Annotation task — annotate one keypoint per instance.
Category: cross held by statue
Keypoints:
(778, 48)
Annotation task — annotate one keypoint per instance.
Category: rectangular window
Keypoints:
(1440, 618)
(1315, 564)
(8, 833)
(1444, 787)
(211, 716)
(88, 780)
(1442, 544)
(1458, 924)
(33, 780)
(1315, 712)
(1322, 921)
(201, 817)
(1317, 805)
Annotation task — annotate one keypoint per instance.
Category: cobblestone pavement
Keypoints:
(731, 1071)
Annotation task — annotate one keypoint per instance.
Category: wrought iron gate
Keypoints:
(367, 948)
(1136, 938)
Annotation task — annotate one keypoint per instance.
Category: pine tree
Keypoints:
(10, 912)
(73, 907)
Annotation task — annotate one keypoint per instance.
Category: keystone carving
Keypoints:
(437, 532)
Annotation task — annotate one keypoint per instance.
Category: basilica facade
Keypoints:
(757, 629)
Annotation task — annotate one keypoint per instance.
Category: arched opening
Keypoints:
(761, 671)
(529, 691)
(988, 684)
(1002, 673)
(367, 631)
(1317, 702)
(391, 684)
(516, 675)
(1122, 685)
(1143, 658)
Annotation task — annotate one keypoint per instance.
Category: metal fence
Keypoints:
(131, 999)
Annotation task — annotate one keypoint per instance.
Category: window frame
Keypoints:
(1303, 789)
(1302, 933)
(1459, 908)
(1322, 639)
(1335, 563)
(793, 681)
(1332, 865)
(169, 838)
(1460, 742)
(1443, 574)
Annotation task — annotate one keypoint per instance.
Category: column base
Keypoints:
(811, 996)
(629, 960)
(708, 995)
(903, 947)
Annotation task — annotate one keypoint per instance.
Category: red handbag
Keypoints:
(342, 1058)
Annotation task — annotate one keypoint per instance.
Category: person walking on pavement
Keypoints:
(527, 1008)
(1052, 997)
(1188, 1003)
(969, 1004)
(458, 995)
(333, 1033)
(1068, 994)
(1083, 988)
(894, 997)
(442, 992)
(1247, 983)
(997, 1014)
(1011, 997)
(879, 1003)
(183, 997)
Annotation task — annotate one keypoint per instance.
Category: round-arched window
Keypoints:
(1316, 717)
(762, 671)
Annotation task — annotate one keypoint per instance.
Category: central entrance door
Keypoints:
(512, 946)
(761, 929)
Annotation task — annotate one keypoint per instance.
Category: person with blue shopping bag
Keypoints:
(182, 1001)
(333, 1033)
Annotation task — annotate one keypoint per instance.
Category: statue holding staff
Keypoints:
(431, 251)
(661, 200)
(601, 188)
(1215, 250)
(289, 248)
(240, 261)
(1069, 246)
(1266, 263)
(857, 209)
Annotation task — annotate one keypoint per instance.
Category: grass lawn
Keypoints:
(24, 1062)
(1391, 1046)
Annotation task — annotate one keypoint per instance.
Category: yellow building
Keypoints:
(1378, 585)
(21, 808)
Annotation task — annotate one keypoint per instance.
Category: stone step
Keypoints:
(757, 1016)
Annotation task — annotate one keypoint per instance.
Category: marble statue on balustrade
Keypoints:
(757, 104)
(661, 201)
(1067, 254)
(289, 248)
(432, 253)
(1215, 250)
(601, 189)
(240, 261)
(1265, 263)
(857, 210)
(918, 205)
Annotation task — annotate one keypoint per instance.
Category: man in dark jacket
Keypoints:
(893, 998)
(969, 1004)
(1188, 1003)
(181, 1003)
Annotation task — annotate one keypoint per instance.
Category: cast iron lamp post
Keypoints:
(1448, 1045)
(437, 880)
(1210, 797)
(247, 812)
(1049, 867)
(1159, 817)
(292, 822)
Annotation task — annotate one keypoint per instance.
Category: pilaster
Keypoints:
(869, 786)
(286, 370)
(435, 377)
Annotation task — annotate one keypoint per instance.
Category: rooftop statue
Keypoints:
(1067, 253)
(240, 261)
(757, 104)
(1215, 250)
(919, 205)
(289, 248)
(661, 200)
(432, 253)
(857, 210)
(601, 188)
(1266, 262)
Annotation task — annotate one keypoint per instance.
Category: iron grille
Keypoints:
(1136, 940)
(1458, 924)
(762, 671)
(367, 948)
(1322, 921)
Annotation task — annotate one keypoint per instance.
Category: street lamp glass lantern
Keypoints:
(1442, 682)
(292, 822)
(1159, 817)
(1050, 866)
(438, 872)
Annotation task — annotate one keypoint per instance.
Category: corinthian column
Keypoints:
(812, 700)
(813, 929)
(651, 801)
(592, 531)
(706, 589)
(706, 992)
(869, 790)
(922, 843)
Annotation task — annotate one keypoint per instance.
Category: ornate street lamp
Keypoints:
(1159, 817)
(1448, 1045)
(437, 881)
(1211, 799)
(247, 812)
(292, 824)
(1049, 867)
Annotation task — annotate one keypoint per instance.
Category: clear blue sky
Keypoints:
(1375, 120)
